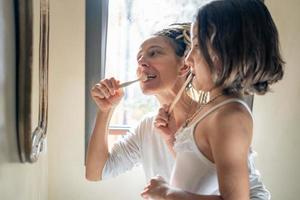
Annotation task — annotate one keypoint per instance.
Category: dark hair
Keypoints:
(179, 36)
(243, 36)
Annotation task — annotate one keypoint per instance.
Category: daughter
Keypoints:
(235, 51)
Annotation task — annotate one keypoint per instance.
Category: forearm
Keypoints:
(97, 152)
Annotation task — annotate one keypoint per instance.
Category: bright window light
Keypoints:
(130, 22)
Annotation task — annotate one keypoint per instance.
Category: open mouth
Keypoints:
(150, 77)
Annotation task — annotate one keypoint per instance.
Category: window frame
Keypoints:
(95, 52)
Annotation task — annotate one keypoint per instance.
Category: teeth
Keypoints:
(150, 76)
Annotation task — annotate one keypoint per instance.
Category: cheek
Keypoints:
(193, 69)
(167, 66)
(203, 66)
(195, 83)
(171, 72)
(138, 71)
(218, 67)
(202, 72)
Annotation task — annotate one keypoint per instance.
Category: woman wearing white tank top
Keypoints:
(235, 51)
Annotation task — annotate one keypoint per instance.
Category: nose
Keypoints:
(188, 60)
(142, 62)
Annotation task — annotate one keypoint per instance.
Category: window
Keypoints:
(129, 23)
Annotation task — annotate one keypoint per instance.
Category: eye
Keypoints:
(153, 53)
(196, 45)
(138, 57)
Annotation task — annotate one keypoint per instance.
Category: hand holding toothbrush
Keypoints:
(108, 93)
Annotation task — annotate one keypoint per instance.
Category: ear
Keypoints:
(183, 70)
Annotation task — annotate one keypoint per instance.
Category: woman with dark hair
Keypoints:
(234, 52)
(161, 60)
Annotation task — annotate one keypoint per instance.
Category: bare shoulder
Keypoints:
(232, 119)
(231, 116)
(227, 130)
(231, 125)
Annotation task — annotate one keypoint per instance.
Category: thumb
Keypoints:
(166, 107)
(159, 177)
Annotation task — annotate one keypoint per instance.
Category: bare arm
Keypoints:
(230, 142)
(97, 152)
(106, 95)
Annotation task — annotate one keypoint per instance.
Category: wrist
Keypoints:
(175, 194)
(170, 141)
(105, 111)
(104, 115)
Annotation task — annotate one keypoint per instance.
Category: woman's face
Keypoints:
(157, 60)
(199, 67)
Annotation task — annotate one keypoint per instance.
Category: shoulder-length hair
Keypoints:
(244, 39)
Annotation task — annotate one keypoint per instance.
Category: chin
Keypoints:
(149, 89)
(195, 85)
(148, 92)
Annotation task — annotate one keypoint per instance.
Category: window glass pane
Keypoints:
(130, 22)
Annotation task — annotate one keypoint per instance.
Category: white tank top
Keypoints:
(192, 171)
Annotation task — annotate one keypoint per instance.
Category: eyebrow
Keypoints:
(151, 47)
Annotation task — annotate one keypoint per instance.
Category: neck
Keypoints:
(168, 95)
(215, 91)
(182, 108)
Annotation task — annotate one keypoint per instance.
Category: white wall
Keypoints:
(277, 115)
(17, 181)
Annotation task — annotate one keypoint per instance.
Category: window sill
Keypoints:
(118, 130)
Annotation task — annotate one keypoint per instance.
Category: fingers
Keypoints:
(96, 92)
(166, 107)
(154, 181)
(111, 85)
(107, 93)
(146, 193)
(105, 88)
(162, 117)
(115, 83)
(154, 188)
(159, 178)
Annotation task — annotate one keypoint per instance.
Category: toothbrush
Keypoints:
(188, 80)
(125, 84)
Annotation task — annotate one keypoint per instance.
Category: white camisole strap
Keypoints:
(232, 100)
